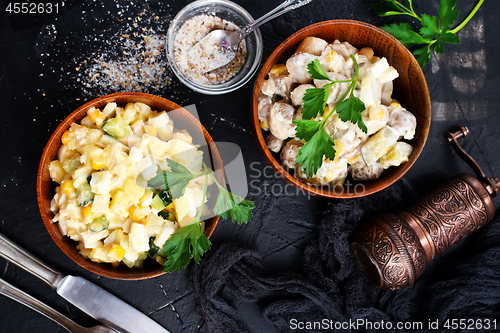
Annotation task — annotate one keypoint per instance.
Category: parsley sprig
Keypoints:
(318, 143)
(435, 30)
(190, 241)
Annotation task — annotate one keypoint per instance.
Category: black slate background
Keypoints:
(464, 90)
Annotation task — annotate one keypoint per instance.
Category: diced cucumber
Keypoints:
(99, 224)
(167, 216)
(72, 164)
(116, 127)
(129, 263)
(165, 197)
(84, 195)
(142, 255)
(157, 204)
(153, 249)
(161, 201)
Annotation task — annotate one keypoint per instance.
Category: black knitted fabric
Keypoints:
(461, 283)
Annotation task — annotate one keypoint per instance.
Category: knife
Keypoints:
(88, 297)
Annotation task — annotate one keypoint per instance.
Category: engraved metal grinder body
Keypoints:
(393, 249)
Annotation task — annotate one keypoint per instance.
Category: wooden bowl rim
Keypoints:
(105, 269)
(319, 190)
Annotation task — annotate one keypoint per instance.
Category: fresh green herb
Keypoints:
(318, 143)
(434, 32)
(231, 205)
(189, 241)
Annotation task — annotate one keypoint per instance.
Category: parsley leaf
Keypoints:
(234, 206)
(405, 33)
(189, 241)
(305, 129)
(158, 182)
(430, 26)
(351, 109)
(177, 178)
(318, 143)
(310, 155)
(434, 31)
(317, 71)
(423, 55)
(447, 13)
(449, 38)
(313, 103)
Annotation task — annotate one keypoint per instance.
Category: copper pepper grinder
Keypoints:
(393, 249)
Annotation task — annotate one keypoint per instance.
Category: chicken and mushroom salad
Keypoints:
(363, 147)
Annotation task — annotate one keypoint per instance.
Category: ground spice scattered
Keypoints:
(127, 54)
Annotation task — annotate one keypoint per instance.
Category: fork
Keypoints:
(20, 296)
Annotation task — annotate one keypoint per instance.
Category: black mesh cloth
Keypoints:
(463, 282)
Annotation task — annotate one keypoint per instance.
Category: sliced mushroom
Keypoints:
(297, 67)
(312, 45)
(360, 171)
(403, 121)
(264, 106)
(273, 143)
(278, 84)
(283, 84)
(298, 114)
(268, 87)
(280, 120)
(289, 153)
(298, 93)
(344, 48)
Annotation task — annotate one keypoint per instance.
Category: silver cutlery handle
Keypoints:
(23, 259)
(285, 7)
(20, 296)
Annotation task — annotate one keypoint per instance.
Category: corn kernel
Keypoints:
(395, 105)
(339, 147)
(326, 112)
(87, 214)
(137, 213)
(170, 208)
(376, 113)
(151, 130)
(279, 69)
(116, 253)
(67, 186)
(96, 116)
(65, 138)
(97, 159)
(331, 56)
(264, 124)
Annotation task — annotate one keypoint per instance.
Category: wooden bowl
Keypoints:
(410, 89)
(46, 187)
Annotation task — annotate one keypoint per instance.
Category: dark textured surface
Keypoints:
(38, 90)
(333, 293)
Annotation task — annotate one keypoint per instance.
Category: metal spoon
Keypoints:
(219, 47)
(12, 292)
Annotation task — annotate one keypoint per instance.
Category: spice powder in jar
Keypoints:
(190, 33)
